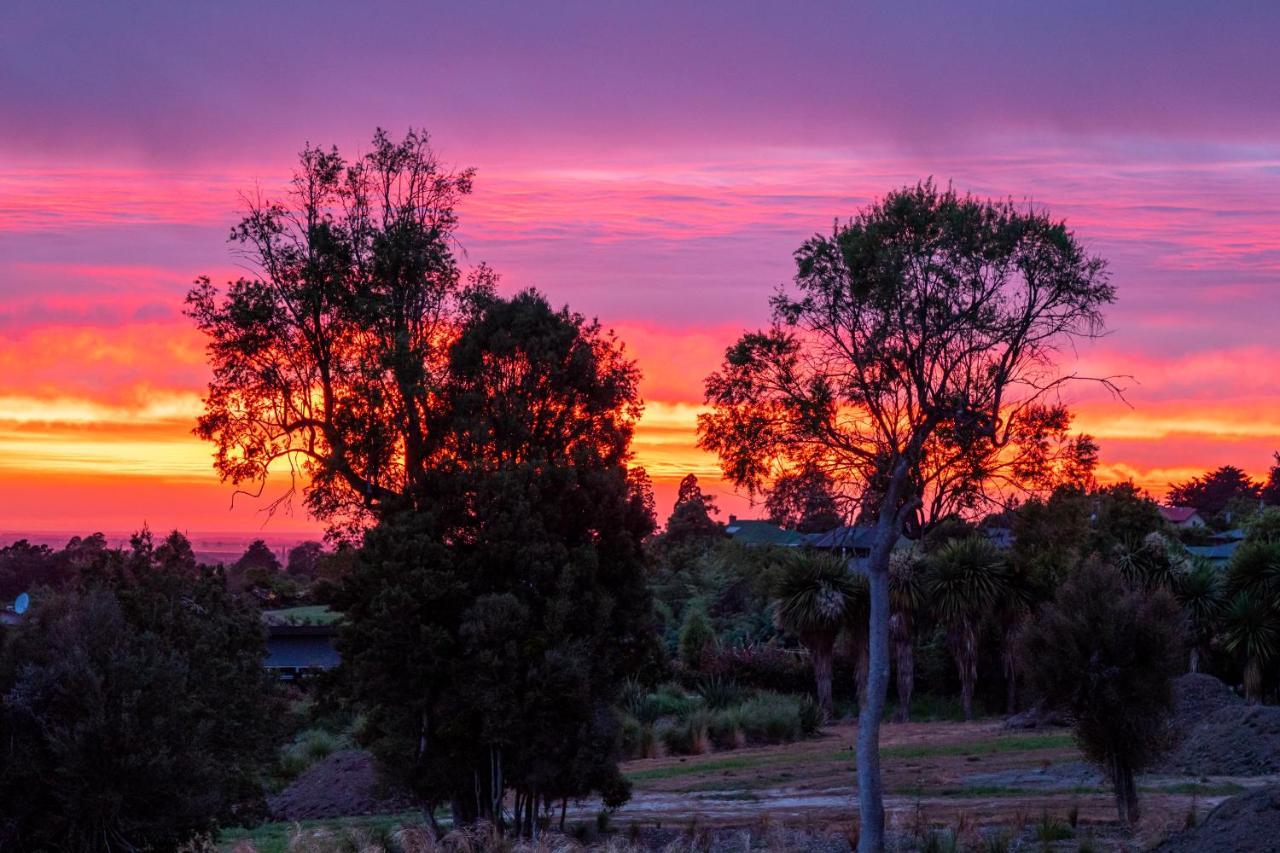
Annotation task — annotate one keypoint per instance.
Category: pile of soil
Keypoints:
(1245, 822)
(344, 784)
(1219, 734)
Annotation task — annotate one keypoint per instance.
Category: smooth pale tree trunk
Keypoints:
(870, 788)
(870, 791)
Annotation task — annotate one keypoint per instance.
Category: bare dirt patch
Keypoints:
(345, 784)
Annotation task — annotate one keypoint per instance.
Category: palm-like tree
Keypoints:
(1251, 631)
(816, 600)
(906, 603)
(1199, 591)
(967, 581)
(1251, 623)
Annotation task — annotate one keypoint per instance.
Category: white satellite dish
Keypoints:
(21, 603)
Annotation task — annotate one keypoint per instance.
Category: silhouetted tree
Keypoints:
(691, 517)
(816, 601)
(805, 501)
(914, 363)
(1213, 492)
(488, 636)
(304, 559)
(136, 711)
(1106, 654)
(330, 357)
(258, 556)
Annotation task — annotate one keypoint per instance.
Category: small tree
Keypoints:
(1106, 654)
(804, 501)
(697, 636)
(816, 601)
(966, 583)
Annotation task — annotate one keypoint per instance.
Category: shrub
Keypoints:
(770, 718)
(811, 716)
(309, 747)
(697, 637)
(764, 667)
(136, 710)
(718, 692)
(1107, 654)
(638, 739)
(671, 701)
(688, 736)
(725, 729)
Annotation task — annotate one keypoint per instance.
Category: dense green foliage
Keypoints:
(1106, 652)
(488, 637)
(134, 708)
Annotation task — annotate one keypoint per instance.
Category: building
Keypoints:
(755, 532)
(853, 540)
(1182, 516)
(297, 651)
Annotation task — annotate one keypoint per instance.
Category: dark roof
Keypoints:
(848, 537)
(1217, 553)
(756, 532)
(301, 651)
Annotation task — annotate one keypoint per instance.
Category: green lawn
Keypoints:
(312, 614)
(274, 837)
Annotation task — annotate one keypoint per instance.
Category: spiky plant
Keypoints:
(967, 581)
(817, 598)
(1251, 632)
(1199, 591)
(1255, 568)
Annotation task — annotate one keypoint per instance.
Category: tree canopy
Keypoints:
(916, 362)
(488, 633)
(328, 360)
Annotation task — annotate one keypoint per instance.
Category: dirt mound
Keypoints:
(342, 785)
(1245, 822)
(1219, 734)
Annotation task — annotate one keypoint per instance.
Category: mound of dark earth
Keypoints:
(1219, 734)
(344, 784)
(1245, 822)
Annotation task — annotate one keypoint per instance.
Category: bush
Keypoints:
(309, 747)
(671, 701)
(688, 736)
(764, 668)
(811, 716)
(718, 692)
(697, 637)
(638, 738)
(725, 729)
(770, 718)
(136, 713)
(1106, 654)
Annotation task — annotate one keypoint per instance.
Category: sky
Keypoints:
(651, 164)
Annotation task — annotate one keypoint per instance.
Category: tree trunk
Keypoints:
(964, 647)
(821, 654)
(1010, 678)
(906, 678)
(1194, 664)
(1126, 792)
(870, 793)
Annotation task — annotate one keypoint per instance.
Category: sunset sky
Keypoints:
(651, 164)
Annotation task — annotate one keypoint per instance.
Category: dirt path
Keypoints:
(935, 773)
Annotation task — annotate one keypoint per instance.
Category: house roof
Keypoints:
(301, 650)
(849, 536)
(757, 532)
(1178, 514)
(1216, 553)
